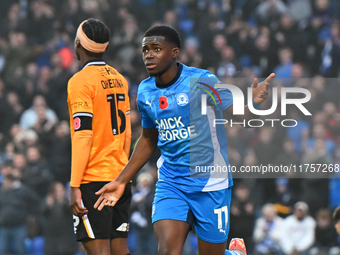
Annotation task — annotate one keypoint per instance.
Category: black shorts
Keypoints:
(110, 222)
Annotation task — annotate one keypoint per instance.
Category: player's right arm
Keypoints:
(144, 149)
(81, 112)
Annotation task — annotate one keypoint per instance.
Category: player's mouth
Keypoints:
(150, 65)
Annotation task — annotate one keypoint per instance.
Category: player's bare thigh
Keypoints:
(171, 235)
(205, 248)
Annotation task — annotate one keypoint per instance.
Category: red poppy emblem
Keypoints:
(76, 123)
(163, 102)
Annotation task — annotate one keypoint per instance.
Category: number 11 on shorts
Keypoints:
(219, 211)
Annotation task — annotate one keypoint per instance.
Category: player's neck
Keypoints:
(85, 60)
(169, 75)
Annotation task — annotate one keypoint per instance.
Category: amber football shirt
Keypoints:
(99, 94)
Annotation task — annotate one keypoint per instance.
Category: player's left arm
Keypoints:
(260, 94)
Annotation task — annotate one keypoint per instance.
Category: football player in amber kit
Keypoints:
(101, 136)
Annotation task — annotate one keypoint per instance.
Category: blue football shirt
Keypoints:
(194, 151)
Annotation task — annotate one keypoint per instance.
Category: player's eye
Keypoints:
(157, 49)
(145, 50)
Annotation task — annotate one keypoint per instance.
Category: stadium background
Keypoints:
(299, 40)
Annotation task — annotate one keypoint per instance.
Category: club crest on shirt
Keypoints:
(76, 123)
(182, 99)
(163, 102)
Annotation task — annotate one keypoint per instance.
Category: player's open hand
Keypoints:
(260, 90)
(109, 194)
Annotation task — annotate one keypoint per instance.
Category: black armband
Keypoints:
(82, 121)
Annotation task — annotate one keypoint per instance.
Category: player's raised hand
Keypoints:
(109, 194)
(260, 90)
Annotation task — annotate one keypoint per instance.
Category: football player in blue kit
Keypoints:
(170, 105)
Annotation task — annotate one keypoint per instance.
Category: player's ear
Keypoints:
(76, 42)
(175, 52)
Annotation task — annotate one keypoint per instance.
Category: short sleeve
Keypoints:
(146, 120)
(220, 97)
(79, 97)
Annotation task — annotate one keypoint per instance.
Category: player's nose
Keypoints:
(149, 55)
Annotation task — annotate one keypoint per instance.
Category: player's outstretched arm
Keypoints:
(260, 94)
(145, 147)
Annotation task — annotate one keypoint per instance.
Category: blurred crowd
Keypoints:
(237, 40)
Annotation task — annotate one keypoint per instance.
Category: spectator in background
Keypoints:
(17, 54)
(28, 90)
(326, 239)
(42, 83)
(126, 41)
(320, 144)
(60, 74)
(30, 117)
(288, 35)
(59, 154)
(283, 198)
(268, 12)
(190, 55)
(12, 110)
(332, 121)
(57, 214)
(19, 162)
(14, 106)
(284, 69)
(13, 21)
(298, 231)
(322, 12)
(17, 203)
(299, 133)
(263, 54)
(141, 206)
(265, 149)
(267, 232)
(300, 10)
(8, 168)
(213, 57)
(228, 65)
(287, 155)
(23, 139)
(37, 174)
(315, 190)
(242, 215)
(40, 24)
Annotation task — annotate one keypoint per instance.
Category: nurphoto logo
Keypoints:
(239, 102)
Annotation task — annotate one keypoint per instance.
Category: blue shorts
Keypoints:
(207, 211)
